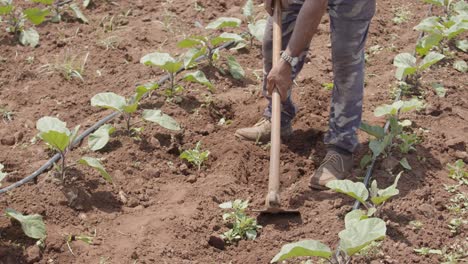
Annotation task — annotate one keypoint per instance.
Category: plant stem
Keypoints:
(62, 168)
(127, 120)
(172, 82)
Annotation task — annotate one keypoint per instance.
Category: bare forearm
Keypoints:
(306, 25)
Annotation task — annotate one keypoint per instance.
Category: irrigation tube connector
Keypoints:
(368, 176)
(101, 122)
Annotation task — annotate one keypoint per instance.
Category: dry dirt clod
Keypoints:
(216, 242)
(132, 202)
(192, 179)
(33, 254)
(8, 140)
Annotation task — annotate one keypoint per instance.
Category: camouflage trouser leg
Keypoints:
(349, 22)
(288, 109)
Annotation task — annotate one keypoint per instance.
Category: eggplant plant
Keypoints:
(128, 107)
(58, 137)
(408, 67)
(58, 7)
(173, 66)
(17, 21)
(32, 225)
(442, 30)
(372, 199)
(199, 45)
(360, 231)
(195, 156)
(256, 27)
(243, 226)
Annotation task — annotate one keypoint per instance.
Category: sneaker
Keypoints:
(261, 131)
(335, 166)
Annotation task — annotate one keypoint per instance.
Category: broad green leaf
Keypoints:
(430, 59)
(36, 15)
(461, 7)
(157, 59)
(45, 2)
(219, 40)
(413, 104)
(109, 100)
(357, 190)
(96, 164)
(460, 24)
(460, 65)
(47, 123)
(366, 159)
(354, 216)
(131, 108)
(100, 137)
(430, 25)
(172, 67)
(6, 9)
(141, 90)
(226, 205)
(189, 43)
(248, 9)
(462, 45)
(76, 9)
(235, 68)
(304, 248)
(385, 194)
(198, 77)
(224, 22)
(388, 109)
(58, 140)
(405, 164)
(258, 29)
(2, 174)
(427, 43)
(191, 56)
(360, 234)
(251, 234)
(33, 225)
(29, 37)
(156, 116)
(74, 133)
(439, 89)
(404, 60)
(376, 131)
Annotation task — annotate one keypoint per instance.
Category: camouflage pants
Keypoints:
(349, 24)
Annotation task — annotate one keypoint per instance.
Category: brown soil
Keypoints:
(159, 209)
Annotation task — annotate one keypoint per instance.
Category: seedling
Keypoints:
(195, 156)
(408, 141)
(84, 238)
(172, 66)
(69, 66)
(15, 20)
(59, 138)
(442, 30)
(426, 251)
(408, 68)
(372, 199)
(243, 226)
(456, 224)
(457, 172)
(206, 45)
(359, 232)
(58, 8)
(256, 27)
(33, 226)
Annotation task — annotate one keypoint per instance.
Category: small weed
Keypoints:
(426, 251)
(195, 156)
(457, 171)
(401, 15)
(109, 43)
(456, 224)
(416, 225)
(69, 66)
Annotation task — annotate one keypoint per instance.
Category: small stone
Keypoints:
(216, 242)
(132, 202)
(154, 142)
(83, 216)
(33, 254)
(8, 140)
(192, 179)
(122, 197)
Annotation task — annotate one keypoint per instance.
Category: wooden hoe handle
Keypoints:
(273, 199)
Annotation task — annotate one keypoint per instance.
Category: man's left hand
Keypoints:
(280, 78)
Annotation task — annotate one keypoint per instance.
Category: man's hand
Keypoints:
(280, 78)
(269, 5)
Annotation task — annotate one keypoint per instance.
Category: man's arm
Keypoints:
(306, 25)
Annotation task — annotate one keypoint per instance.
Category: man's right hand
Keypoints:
(269, 5)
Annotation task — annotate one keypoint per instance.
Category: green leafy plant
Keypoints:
(127, 107)
(457, 171)
(207, 45)
(15, 19)
(372, 199)
(172, 66)
(58, 137)
(57, 8)
(441, 30)
(256, 27)
(84, 238)
(407, 142)
(195, 156)
(100, 137)
(33, 226)
(359, 232)
(243, 226)
(407, 66)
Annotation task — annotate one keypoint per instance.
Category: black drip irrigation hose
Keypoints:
(370, 169)
(101, 122)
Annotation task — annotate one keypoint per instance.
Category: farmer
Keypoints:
(349, 23)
